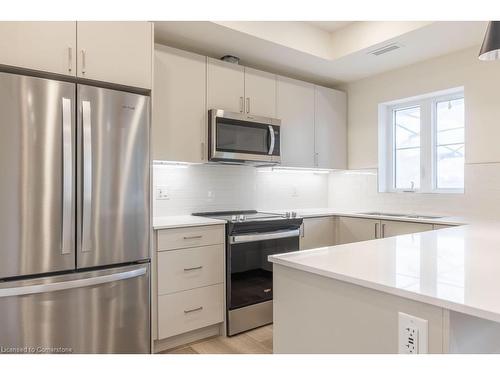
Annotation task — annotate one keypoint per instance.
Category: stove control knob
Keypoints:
(287, 214)
(242, 218)
(294, 214)
(234, 218)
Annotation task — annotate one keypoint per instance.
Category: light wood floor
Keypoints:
(257, 341)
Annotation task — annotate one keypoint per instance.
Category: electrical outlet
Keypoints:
(412, 334)
(210, 196)
(162, 193)
(410, 340)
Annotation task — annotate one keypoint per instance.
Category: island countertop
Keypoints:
(456, 268)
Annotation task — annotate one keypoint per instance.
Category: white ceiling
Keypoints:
(329, 26)
(216, 40)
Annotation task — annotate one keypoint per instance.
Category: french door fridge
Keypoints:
(74, 218)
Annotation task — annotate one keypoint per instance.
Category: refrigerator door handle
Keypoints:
(67, 138)
(87, 176)
(71, 284)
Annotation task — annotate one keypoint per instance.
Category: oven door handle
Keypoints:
(263, 236)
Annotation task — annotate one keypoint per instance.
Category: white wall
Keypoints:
(356, 189)
(481, 81)
(199, 188)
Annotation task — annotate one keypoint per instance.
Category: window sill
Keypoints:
(418, 192)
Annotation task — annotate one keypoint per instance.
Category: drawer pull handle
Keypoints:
(193, 310)
(193, 268)
(192, 237)
(267, 290)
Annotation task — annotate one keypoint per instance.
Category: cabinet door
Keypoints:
(116, 52)
(225, 86)
(260, 93)
(352, 229)
(44, 46)
(295, 108)
(317, 232)
(179, 112)
(330, 128)
(395, 228)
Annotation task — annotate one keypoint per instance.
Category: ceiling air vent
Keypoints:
(385, 49)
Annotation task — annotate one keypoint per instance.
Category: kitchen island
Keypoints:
(348, 298)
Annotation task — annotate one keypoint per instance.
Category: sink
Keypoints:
(375, 213)
(382, 214)
(423, 217)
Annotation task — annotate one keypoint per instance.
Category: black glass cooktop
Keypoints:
(240, 216)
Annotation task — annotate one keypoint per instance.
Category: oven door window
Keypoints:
(242, 137)
(251, 274)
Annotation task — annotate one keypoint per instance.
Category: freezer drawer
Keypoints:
(104, 311)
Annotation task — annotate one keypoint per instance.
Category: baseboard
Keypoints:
(188, 337)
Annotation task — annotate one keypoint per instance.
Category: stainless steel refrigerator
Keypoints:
(74, 218)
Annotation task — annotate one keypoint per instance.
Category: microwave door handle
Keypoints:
(271, 135)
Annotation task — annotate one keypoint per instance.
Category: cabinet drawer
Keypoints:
(185, 269)
(181, 238)
(185, 311)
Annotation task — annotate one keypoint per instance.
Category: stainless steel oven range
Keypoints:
(251, 237)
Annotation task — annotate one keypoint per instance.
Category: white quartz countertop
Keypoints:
(178, 221)
(318, 212)
(166, 222)
(455, 268)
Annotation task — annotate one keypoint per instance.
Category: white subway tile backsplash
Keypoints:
(224, 187)
(357, 191)
(212, 187)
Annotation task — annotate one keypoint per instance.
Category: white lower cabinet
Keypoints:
(189, 290)
(190, 268)
(353, 229)
(317, 232)
(389, 228)
(189, 237)
(186, 311)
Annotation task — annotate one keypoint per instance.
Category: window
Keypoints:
(421, 143)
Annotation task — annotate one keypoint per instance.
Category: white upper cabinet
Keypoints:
(225, 86)
(295, 108)
(179, 108)
(116, 52)
(235, 88)
(330, 128)
(260, 93)
(44, 46)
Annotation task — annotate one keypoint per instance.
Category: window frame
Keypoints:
(428, 141)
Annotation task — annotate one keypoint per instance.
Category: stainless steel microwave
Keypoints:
(243, 138)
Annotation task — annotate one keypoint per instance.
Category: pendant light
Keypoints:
(490, 50)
